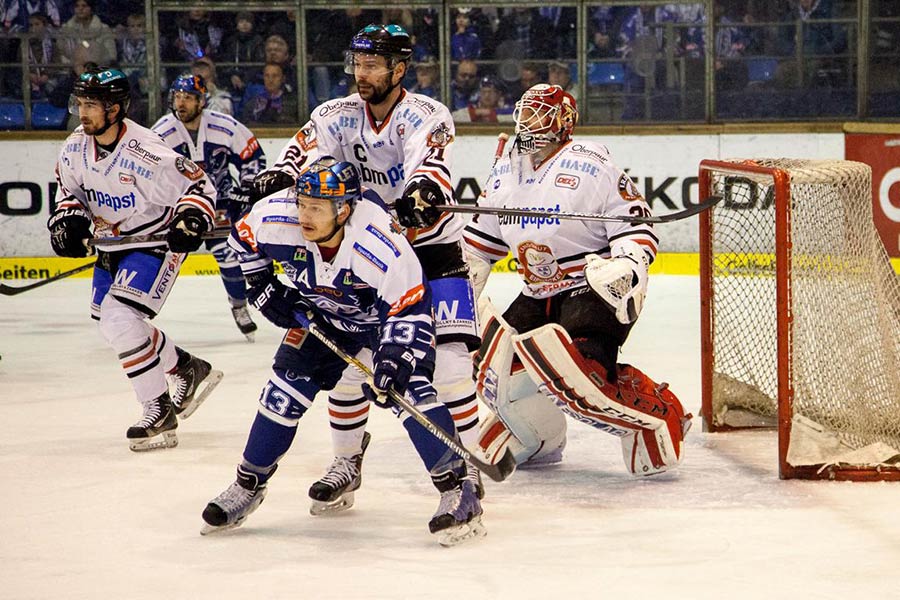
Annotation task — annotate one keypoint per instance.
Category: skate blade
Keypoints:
(208, 529)
(453, 536)
(320, 508)
(251, 337)
(166, 439)
(210, 383)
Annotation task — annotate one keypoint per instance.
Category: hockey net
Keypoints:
(801, 315)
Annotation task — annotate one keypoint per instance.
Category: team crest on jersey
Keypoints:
(439, 137)
(300, 255)
(538, 263)
(401, 130)
(306, 137)
(188, 168)
(564, 180)
(628, 190)
(126, 179)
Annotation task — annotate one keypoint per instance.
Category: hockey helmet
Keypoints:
(330, 179)
(189, 84)
(390, 41)
(110, 86)
(544, 114)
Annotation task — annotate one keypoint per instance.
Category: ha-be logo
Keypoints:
(567, 181)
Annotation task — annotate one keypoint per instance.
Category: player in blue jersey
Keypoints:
(216, 142)
(360, 280)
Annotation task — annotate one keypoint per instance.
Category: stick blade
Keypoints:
(501, 470)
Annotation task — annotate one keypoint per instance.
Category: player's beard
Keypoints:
(379, 91)
(187, 116)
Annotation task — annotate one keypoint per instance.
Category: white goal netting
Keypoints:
(844, 340)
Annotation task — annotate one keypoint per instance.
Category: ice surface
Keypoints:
(82, 517)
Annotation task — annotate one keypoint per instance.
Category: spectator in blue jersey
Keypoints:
(218, 143)
(274, 104)
(464, 43)
(427, 78)
(464, 87)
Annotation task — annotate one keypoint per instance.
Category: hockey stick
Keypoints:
(545, 215)
(8, 290)
(119, 240)
(498, 472)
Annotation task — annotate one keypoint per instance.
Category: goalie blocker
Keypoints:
(647, 417)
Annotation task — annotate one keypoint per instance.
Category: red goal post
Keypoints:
(800, 316)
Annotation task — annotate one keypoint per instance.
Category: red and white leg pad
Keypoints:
(647, 417)
(522, 418)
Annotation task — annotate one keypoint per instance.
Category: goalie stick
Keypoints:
(8, 290)
(577, 216)
(498, 472)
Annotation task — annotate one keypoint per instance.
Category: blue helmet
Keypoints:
(330, 179)
(189, 84)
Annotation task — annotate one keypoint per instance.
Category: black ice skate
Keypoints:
(458, 517)
(242, 319)
(232, 507)
(156, 429)
(191, 383)
(334, 492)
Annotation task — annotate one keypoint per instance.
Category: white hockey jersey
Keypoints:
(373, 285)
(222, 142)
(580, 177)
(133, 190)
(415, 141)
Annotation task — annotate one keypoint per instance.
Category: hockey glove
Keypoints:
(186, 230)
(416, 209)
(621, 282)
(278, 303)
(269, 182)
(394, 365)
(68, 231)
(238, 203)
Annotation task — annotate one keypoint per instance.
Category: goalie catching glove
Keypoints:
(69, 229)
(620, 281)
(394, 365)
(416, 209)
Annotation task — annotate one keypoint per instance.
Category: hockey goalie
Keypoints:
(554, 351)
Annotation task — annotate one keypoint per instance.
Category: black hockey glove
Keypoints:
(68, 231)
(416, 209)
(186, 230)
(394, 365)
(278, 302)
(238, 203)
(269, 182)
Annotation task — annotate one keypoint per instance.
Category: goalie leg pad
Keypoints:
(652, 452)
(493, 359)
(532, 427)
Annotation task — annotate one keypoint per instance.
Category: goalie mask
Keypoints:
(545, 114)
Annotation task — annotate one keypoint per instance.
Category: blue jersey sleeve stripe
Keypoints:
(370, 257)
(382, 236)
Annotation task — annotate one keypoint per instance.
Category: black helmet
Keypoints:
(108, 85)
(391, 41)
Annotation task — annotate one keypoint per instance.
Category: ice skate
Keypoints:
(232, 507)
(474, 475)
(458, 517)
(156, 429)
(243, 321)
(191, 383)
(334, 492)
